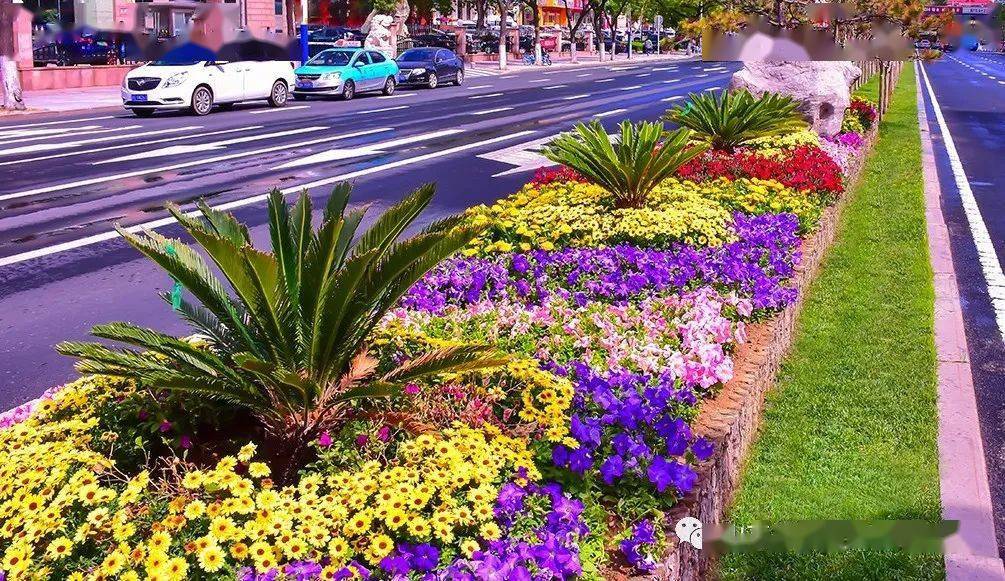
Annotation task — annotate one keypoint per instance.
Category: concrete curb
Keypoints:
(586, 63)
(972, 553)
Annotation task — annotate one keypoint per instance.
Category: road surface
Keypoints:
(967, 122)
(67, 180)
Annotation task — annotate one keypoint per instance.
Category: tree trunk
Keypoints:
(291, 22)
(598, 28)
(480, 9)
(503, 15)
(11, 81)
(538, 57)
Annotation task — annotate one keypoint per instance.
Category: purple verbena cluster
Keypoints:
(635, 547)
(757, 265)
(550, 552)
(629, 425)
(304, 571)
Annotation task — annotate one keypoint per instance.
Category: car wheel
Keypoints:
(389, 86)
(202, 101)
(433, 81)
(279, 95)
(143, 112)
(459, 79)
(348, 90)
(297, 97)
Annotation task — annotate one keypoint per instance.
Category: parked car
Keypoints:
(86, 49)
(199, 85)
(335, 34)
(435, 37)
(345, 72)
(429, 67)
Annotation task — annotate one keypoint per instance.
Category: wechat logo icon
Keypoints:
(688, 530)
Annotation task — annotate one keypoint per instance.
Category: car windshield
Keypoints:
(331, 58)
(174, 62)
(416, 55)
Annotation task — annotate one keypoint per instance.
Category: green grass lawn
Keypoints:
(850, 430)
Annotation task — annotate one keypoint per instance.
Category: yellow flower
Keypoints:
(59, 547)
(195, 509)
(468, 547)
(211, 558)
(159, 541)
(176, 569)
(239, 551)
(380, 547)
(258, 470)
(490, 531)
(246, 452)
(222, 528)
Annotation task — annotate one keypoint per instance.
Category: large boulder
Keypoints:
(823, 87)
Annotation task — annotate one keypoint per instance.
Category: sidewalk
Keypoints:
(75, 99)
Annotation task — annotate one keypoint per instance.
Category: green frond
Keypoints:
(732, 119)
(447, 360)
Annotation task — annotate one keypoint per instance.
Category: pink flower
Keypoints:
(362, 439)
(384, 434)
(185, 442)
(411, 389)
(165, 426)
(325, 440)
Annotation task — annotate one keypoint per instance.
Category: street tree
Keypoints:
(504, 7)
(12, 96)
(535, 11)
(574, 24)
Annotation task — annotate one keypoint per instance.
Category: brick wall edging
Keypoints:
(732, 418)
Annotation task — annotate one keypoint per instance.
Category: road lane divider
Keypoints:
(174, 150)
(674, 98)
(479, 87)
(574, 97)
(278, 109)
(630, 88)
(609, 113)
(383, 109)
(23, 136)
(172, 167)
(986, 254)
(46, 123)
(130, 145)
(338, 154)
(486, 96)
(36, 147)
(397, 96)
(553, 87)
(604, 80)
(490, 111)
(154, 224)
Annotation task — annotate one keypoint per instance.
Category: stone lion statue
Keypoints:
(380, 38)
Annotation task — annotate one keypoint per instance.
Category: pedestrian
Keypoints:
(648, 46)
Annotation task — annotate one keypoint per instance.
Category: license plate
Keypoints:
(139, 98)
(305, 84)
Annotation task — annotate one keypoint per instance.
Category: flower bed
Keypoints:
(564, 459)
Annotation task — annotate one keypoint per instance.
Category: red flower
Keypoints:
(561, 173)
(806, 167)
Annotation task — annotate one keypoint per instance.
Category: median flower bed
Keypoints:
(520, 410)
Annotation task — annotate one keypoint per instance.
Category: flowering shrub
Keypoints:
(805, 167)
(756, 266)
(851, 123)
(865, 110)
(569, 214)
(549, 175)
(616, 323)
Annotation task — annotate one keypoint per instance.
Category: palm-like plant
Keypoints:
(629, 168)
(291, 344)
(732, 119)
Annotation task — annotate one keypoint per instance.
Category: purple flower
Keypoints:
(612, 468)
(426, 557)
(185, 442)
(325, 440)
(702, 449)
(395, 565)
(165, 426)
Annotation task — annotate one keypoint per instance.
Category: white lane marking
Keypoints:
(27, 135)
(574, 97)
(701, 75)
(611, 112)
(621, 68)
(711, 88)
(643, 75)
(131, 145)
(669, 81)
(491, 111)
(278, 109)
(208, 160)
(78, 142)
(397, 96)
(30, 125)
(674, 98)
(507, 77)
(524, 156)
(485, 96)
(382, 109)
(986, 254)
(479, 87)
(662, 68)
(539, 80)
(369, 149)
(173, 150)
(96, 238)
(553, 87)
(630, 88)
(584, 75)
(604, 80)
(54, 131)
(1001, 82)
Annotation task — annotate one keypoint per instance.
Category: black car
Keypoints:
(433, 37)
(429, 66)
(86, 49)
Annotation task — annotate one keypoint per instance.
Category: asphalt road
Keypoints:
(969, 89)
(66, 180)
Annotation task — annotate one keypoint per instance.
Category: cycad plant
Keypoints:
(732, 119)
(290, 344)
(629, 167)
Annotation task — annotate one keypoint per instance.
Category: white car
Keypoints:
(199, 85)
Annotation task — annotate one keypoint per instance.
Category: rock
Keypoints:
(821, 86)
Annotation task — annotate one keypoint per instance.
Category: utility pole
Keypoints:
(304, 52)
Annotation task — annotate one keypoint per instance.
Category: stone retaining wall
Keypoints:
(732, 418)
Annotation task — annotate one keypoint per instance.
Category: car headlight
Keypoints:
(175, 79)
(331, 77)
(417, 72)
